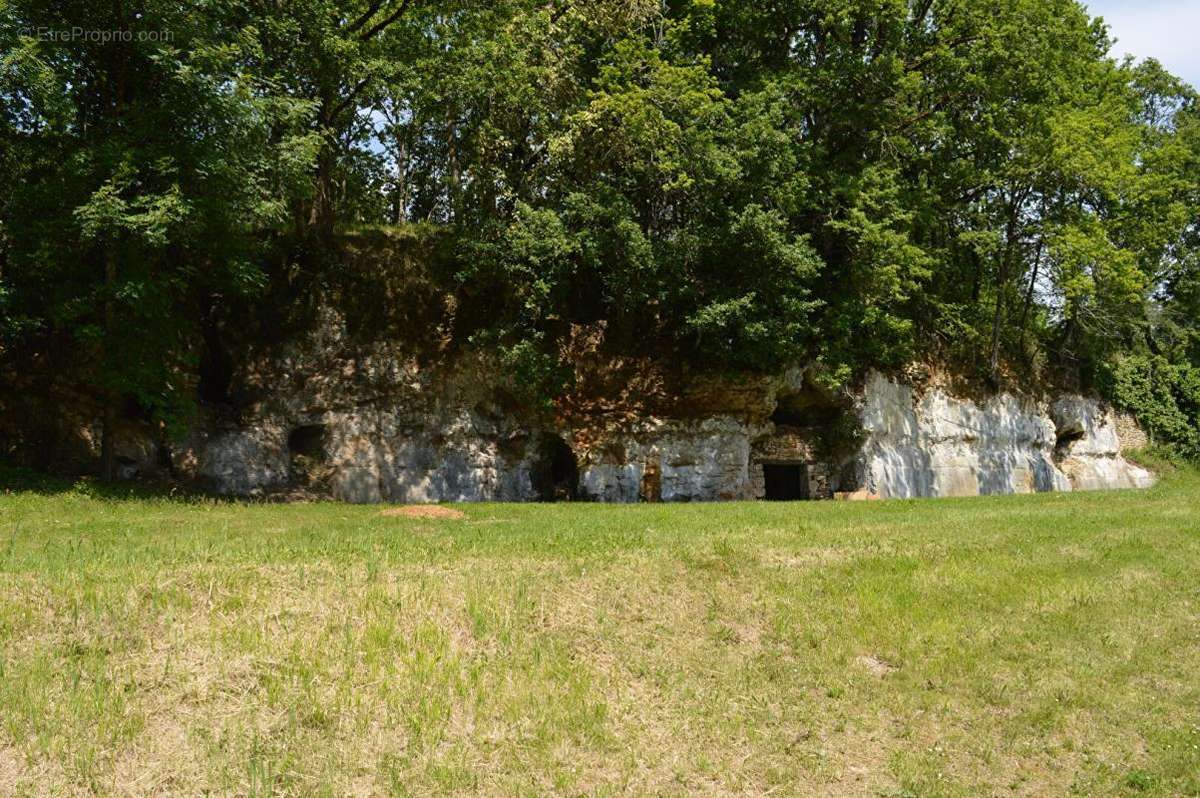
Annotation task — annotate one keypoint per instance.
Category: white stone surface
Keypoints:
(389, 453)
(1090, 455)
(940, 445)
(244, 462)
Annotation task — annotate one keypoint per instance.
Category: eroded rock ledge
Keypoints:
(940, 445)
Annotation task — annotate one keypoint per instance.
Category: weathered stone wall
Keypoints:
(1089, 450)
(426, 447)
(390, 430)
(940, 445)
(671, 461)
(396, 451)
(468, 457)
(798, 446)
(1130, 433)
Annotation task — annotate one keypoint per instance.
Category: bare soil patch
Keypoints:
(877, 665)
(423, 511)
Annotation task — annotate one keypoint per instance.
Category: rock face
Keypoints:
(421, 447)
(243, 462)
(939, 445)
(379, 456)
(366, 424)
(361, 420)
(672, 461)
(1089, 447)
(468, 457)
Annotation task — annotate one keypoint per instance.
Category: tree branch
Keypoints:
(345, 101)
(919, 17)
(928, 55)
(387, 21)
(372, 9)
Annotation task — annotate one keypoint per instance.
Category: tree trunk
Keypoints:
(1037, 263)
(976, 278)
(994, 360)
(455, 183)
(400, 196)
(109, 414)
(321, 218)
(1002, 272)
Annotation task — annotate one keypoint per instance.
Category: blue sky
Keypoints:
(1162, 29)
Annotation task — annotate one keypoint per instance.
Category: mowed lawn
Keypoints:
(1039, 645)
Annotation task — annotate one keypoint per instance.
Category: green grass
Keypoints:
(1039, 645)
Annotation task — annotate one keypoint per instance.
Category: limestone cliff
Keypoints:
(421, 448)
(940, 445)
(368, 423)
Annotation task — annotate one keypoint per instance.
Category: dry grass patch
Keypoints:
(424, 511)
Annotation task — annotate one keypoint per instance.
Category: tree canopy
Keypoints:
(842, 183)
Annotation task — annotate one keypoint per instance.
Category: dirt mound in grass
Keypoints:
(877, 665)
(423, 511)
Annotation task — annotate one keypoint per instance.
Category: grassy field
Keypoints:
(1041, 645)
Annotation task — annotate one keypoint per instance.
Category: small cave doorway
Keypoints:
(307, 441)
(556, 472)
(785, 482)
(802, 456)
(307, 451)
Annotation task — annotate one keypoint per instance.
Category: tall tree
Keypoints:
(149, 170)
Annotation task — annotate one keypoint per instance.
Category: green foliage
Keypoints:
(1164, 395)
(533, 376)
(144, 174)
(834, 182)
(756, 317)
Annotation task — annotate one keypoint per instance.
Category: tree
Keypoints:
(148, 168)
(846, 183)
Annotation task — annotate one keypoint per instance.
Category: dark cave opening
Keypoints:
(216, 365)
(1063, 440)
(785, 482)
(806, 410)
(556, 476)
(307, 449)
(307, 441)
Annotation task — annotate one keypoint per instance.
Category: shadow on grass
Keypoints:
(19, 479)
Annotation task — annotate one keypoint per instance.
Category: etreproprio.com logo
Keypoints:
(96, 35)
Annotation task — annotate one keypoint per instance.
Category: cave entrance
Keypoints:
(806, 411)
(556, 477)
(307, 452)
(1064, 438)
(308, 441)
(785, 482)
(811, 439)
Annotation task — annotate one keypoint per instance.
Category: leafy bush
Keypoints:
(1165, 396)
